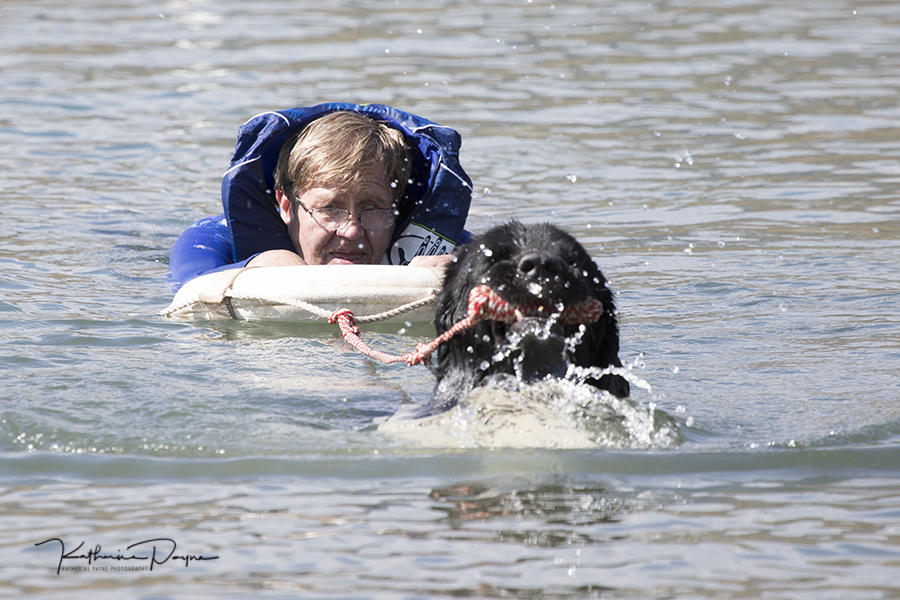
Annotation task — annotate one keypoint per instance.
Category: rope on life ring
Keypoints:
(219, 291)
(327, 314)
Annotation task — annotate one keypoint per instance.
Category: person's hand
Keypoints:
(441, 260)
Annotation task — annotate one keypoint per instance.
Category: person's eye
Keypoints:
(332, 213)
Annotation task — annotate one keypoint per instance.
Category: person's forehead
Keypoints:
(361, 191)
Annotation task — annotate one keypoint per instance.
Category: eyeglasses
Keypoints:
(332, 219)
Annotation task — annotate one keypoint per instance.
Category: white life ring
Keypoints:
(311, 293)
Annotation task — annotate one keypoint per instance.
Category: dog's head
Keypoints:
(540, 271)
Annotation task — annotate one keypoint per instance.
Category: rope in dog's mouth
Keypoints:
(484, 305)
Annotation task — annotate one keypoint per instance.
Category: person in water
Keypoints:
(333, 184)
(338, 183)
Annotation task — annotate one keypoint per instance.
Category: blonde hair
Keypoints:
(339, 149)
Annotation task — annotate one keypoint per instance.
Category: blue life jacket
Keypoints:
(432, 215)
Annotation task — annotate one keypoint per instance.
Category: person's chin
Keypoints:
(342, 258)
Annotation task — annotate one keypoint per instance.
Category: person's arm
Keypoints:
(441, 260)
(276, 258)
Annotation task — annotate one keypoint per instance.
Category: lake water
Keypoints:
(732, 166)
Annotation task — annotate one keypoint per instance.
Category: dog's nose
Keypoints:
(539, 265)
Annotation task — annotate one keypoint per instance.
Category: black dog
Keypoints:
(536, 266)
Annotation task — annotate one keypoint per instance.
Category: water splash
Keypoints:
(554, 413)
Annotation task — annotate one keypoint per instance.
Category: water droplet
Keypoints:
(487, 191)
(572, 178)
(484, 366)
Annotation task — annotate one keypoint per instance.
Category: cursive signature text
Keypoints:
(158, 551)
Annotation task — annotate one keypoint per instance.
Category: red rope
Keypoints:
(484, 305)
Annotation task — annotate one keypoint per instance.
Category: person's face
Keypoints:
(349, 244)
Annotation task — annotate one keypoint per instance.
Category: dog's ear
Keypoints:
(595, 276)
(453, 300)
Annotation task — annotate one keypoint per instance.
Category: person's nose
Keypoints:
(351, 228)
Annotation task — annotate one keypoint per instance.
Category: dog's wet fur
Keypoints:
(523, 264)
